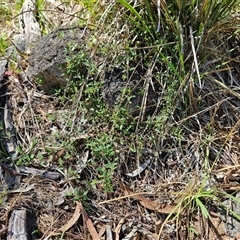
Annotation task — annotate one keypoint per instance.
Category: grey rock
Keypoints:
(48, 62)
(19, 45)
(20, 41)
(48, 59)
(232, 223)
(3, 67)
(113, 91)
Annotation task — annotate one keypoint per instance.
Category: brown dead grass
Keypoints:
(124, 211)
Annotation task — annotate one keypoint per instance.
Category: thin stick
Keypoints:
(159, 15)
(195, 56)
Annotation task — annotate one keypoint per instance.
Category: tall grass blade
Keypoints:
(142, 24)
(203, 208)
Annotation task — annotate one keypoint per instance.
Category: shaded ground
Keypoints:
(65, 145)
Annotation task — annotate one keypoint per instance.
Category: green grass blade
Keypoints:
(130, 8)
(235, 215)
(203, 208)
(145, 26)
(149, 10)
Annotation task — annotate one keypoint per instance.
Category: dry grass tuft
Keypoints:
(182, 154)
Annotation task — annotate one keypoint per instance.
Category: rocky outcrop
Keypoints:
(48, 63)
(48, 59)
